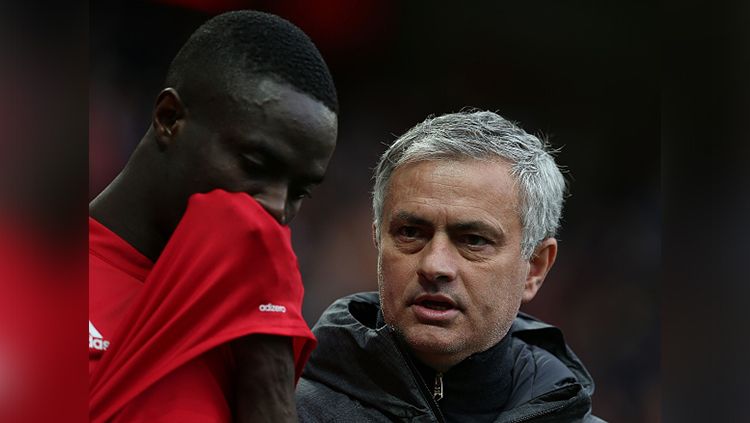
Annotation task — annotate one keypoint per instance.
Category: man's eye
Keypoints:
(474, 240)
(252, 164)
(301, 192)
(300, 195)
(408, 232)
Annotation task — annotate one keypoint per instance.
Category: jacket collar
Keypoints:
(479, 386)
(361, 357)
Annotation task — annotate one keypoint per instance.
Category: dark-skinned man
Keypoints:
(195, 295)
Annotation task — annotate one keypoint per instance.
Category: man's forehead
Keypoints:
(279, 109)
(264, 91)
(485, 178)
(284, 130)
(458, 192)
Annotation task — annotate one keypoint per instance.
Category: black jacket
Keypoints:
(361, 372)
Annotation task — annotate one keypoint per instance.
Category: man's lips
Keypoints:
(435, 301)
(434, 309)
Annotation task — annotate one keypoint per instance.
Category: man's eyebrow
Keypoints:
(311, 180)
(411, 218)
(476, 226)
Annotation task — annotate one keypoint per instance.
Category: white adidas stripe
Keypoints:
(93, 332)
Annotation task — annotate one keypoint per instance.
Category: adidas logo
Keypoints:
(96, 340)
(273, 308)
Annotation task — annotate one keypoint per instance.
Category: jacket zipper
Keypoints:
(437, 391)
(429, 396)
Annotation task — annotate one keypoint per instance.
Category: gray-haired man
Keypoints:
(466, 207)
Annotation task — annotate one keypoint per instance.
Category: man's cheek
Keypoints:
(389, 300)
(394, 288)
(391, 303)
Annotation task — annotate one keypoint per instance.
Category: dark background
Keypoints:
(585, 74)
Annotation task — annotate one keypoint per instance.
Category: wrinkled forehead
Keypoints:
(471, 183)
(490, 172)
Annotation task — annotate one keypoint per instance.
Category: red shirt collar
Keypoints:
(108, 246)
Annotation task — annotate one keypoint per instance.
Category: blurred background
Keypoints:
(43, 174)
(584, 74)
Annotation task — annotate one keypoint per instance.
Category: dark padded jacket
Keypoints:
(360, 373)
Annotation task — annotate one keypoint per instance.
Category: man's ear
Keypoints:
(169, 111)
(375, 235)
(539, 264)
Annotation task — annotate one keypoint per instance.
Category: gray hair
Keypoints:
(484, 135)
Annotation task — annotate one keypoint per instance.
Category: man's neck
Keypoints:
(126, 207)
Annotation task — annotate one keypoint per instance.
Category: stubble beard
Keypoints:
(414, 343)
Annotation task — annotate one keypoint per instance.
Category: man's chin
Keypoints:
(432, 340)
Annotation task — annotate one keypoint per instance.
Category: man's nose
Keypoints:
(274, 200)
(438, 262)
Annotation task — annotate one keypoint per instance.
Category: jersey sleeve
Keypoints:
(227, 271)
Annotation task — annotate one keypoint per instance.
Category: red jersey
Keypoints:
(158, 333)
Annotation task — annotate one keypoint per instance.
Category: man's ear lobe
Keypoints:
(539, 264)
(169, 111)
